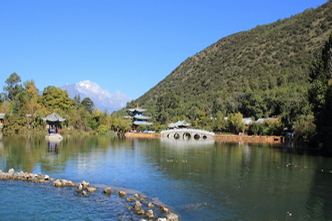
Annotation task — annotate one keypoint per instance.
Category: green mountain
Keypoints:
(260, 73)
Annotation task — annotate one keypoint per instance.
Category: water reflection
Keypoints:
(53, 146)
(192, 143)
(1, 144)
(202, 180)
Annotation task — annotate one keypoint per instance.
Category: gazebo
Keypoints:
(179, 124)
(53, 121)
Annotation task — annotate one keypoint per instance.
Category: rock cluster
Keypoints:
(62, 183)
(144, 208)
(37, 178)
(140, 205)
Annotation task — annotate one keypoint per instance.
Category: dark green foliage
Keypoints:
(235, 123)
(15, 124)
(260, 73)
(55, 99)
(256, 129)
(13, 86)
(304, 129)
(88, 104)
(320, 96)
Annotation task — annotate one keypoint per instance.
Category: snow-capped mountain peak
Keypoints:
(102, 99)
(88, 86)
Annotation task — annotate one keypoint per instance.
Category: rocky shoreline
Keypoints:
(137, 203)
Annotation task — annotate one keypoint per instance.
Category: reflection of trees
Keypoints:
(22, 153)
(260, 178)
(319, 201)
(266, 179)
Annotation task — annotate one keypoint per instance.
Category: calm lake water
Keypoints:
(198, 180)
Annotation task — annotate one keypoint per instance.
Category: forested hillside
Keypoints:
(260, 73)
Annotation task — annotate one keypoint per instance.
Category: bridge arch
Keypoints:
(186, 134)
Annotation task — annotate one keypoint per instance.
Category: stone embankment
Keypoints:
(142, 135)
(248, 139)
(136, 203)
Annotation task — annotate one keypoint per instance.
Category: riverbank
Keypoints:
(142, 135)
(248, 139)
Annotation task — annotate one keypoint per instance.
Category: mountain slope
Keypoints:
(102, 99)
(260, 72)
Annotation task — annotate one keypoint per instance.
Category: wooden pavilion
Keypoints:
(54, 125)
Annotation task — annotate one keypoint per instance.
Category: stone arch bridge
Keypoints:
(187, 133)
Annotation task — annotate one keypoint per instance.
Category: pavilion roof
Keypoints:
(180, 123)
(262, 120)
(137, 109)
(141, 117)
(142, 123)
(54, 118)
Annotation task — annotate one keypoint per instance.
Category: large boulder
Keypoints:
(108, 190)
(137, 205)
(85, 184)
(164, 209)
(122, 193)
(57, 183)
(172, 217)
(149, 214)
(91, 189)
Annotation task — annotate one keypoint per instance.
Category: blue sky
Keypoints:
(127, 46)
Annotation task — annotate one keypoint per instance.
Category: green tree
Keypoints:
(37, 119)
(105, 119)
(119, 124)
(102, 129)
(2, 98)
(21, 103)
(304, 129)
(219, 123)
(13, 87)
(88, 104)
(253, 105)
(256, 129)
(235, 123)
(320, 97)
(15, 124)
(274, 127)
(32, 93)
(55, 99)
(77, 101)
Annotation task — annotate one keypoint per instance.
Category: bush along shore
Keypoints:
(135, 202)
